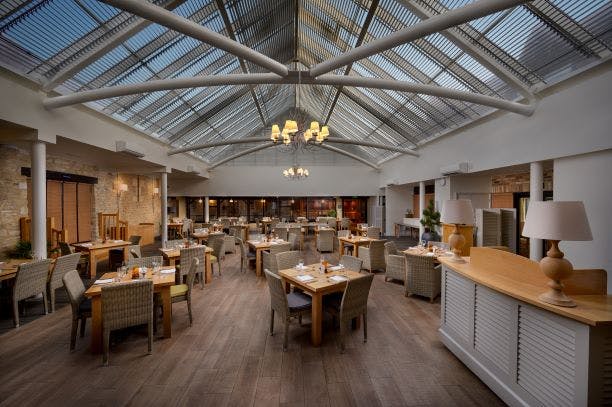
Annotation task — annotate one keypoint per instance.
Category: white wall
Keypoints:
(442, 192)
(398, 199)
(269, 181)
(587, 178)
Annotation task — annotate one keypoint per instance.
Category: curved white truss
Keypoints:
(240, 154)
(351, 155)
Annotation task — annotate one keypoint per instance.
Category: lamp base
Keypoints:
(558, 298)
(456, 241)
(555, 267)
(456, 258)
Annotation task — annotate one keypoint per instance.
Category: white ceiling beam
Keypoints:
(373, 145)
(269, 78)
(218, 144)
(351, 155)
(192, 29)
(426, 27)
(240, 154)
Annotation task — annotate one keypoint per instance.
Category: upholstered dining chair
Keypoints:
(124, 305)
(395, 263)
(422, 276)
(373, 256)
(287, 306)
(145, 261)
(186, 257)
(354, 304)
(325, 240)
(81, 306)
(351, 263)
(31, 279)
(62, 265)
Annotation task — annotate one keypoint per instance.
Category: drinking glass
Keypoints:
(301, 264)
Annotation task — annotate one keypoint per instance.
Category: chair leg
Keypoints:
(342, 329)
(52, 298)
(286, 337)
(45, 302)
(105, 345)
(73, 333)
(16, 313)
(201, 280)
(189, 311)
(365, 326)
(300, 319)
(272, 322)
(150, 331)
(83, 319)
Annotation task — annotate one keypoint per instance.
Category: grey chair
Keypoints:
(245, 255)
(182, 292)
(325, 241)
(268, 261)
(230, 244)
(62, 265)
(352, 263)
(217, 244)
(81, 306)
(134, 252)
(294, 241)
(422, 276)
(66, 249)
(296, 230)
(345, 223)
(280, 247)
(373, 256)
(373, 232)
(354, 304)
(145, 261)
(31, 279)
(170, 244)
(287, 260)
(348, 247)
(287, 306)
(124, 305)
(281, 232)
(135, 240)
(331, 222)
(186, 257)
(395, 263)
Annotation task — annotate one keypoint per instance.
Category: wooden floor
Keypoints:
(228, 358)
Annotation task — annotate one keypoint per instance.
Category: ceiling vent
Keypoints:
(459, 168)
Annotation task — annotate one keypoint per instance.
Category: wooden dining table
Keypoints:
(258, 247)
(423, 251)
(356, 241)
(96, 251)
(320, 285)
(161, 284)
(174, 254)
(8, 268)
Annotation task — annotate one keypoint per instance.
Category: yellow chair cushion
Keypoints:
(178, 290)
(213, 259)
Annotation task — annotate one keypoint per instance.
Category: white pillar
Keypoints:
(421, 206)
(164, 208)
(206, 209)
(39, 200)
(536, 183)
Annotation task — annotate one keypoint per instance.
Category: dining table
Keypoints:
(97, 251)
(317, 284)
(173, 254)
(354, 240)
(161, 285)
(259, 246)
(201, 237)
(8, 268)
(424, 251)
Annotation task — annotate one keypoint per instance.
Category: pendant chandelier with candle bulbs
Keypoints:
(296, 173)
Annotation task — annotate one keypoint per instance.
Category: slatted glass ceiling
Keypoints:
(539, 42)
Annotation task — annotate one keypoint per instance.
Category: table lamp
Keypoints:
(457, 212)
(556, 221)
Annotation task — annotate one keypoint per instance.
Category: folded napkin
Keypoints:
(338, 279)
(86, 244)
(305, 277)
(104, 281)
(118, 241)
(336, 268)
(169, 271)
(430, 254)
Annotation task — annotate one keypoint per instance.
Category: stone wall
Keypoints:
(518, 182)
(136, 205)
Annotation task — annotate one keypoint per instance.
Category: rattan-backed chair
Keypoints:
(280, 247)
(31, 279)
(230, 244)
(345, 223)
(373, 232)
(285, 305)
(294, 241)
(217, 244)
(352, 263)
(325, 240)
(124, 305)
(373, 256)
(245, 255)
(348, 247)
(182, 292)
(66, 249)
(146, 261)
(354, 303)
(62, 265)
(268, 261)
(395, 263)
(422, 277)
(170, 244)
(134, 252)
(287, 260)
(331, 222)
(281, 232)
(135, 240)
(186, 257)
(81, 306)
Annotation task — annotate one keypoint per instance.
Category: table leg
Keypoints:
(317, 319)
(167, 309)
(172, 261)
(96, 324)
(93, 264)
(340, 247)
(258, 264)
(208, 269)
(356, 248)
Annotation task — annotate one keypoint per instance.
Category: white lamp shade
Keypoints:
(458, 211)
(557, 220)
(123, 187)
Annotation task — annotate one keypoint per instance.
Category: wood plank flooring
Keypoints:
(227, 358)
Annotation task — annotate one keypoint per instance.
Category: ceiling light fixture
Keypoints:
(296, 173)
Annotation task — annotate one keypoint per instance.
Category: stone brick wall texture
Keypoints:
(137, 205)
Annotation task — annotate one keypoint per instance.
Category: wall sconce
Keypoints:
(200, 200)
(155, 191)
(123, 187)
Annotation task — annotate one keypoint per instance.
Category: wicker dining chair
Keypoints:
(182, 292)
(245, 255)
(373, 256)
(145, 261)
(280, 247)
(422, 276)
(294, 241)
(354, 303)
(135, 239)
(287, 260)
(81, 306)
(268, 261)
(373, 232)
(62, 265)
(287, 306)
(124, 305)
(345, 223)
(281, 232)
(348, 247)
(351, 263)
(31, 279)
(331, 222)
(395, 263)
(134, 252)
(217, 244)
(325, 241)
(230, 244)
(66, 249)
(186, 257)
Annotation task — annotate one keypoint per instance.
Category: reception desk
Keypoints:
(528, 352)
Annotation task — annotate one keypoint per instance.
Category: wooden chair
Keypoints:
(31, 279)
(62, 265)
(354, 304)
(587, 282)
(352, 263)
(395, 263)
(422, 276)
(325, 241)
(81, 306)
(186, 257)
(373, 256)
(124, 305)
(286, 305)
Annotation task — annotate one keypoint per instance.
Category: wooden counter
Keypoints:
(528, 352)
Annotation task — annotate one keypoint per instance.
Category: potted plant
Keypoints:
(332, 213)
(22, 250)
(430, 219)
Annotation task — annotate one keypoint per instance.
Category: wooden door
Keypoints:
(85, 212)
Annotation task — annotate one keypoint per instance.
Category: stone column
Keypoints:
(164, 208)
(39, 200)
(206, 209)
(536, 183)
(421, 207)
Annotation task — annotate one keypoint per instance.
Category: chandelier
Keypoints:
(296, 173)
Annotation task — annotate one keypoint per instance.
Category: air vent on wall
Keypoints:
(459, 168)
(121, 147)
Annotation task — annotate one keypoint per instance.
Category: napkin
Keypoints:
(86, 244)
(104, 281)
(338, 279)
(169, 271)
(336, 268)
(305, 277)
(430, 254)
